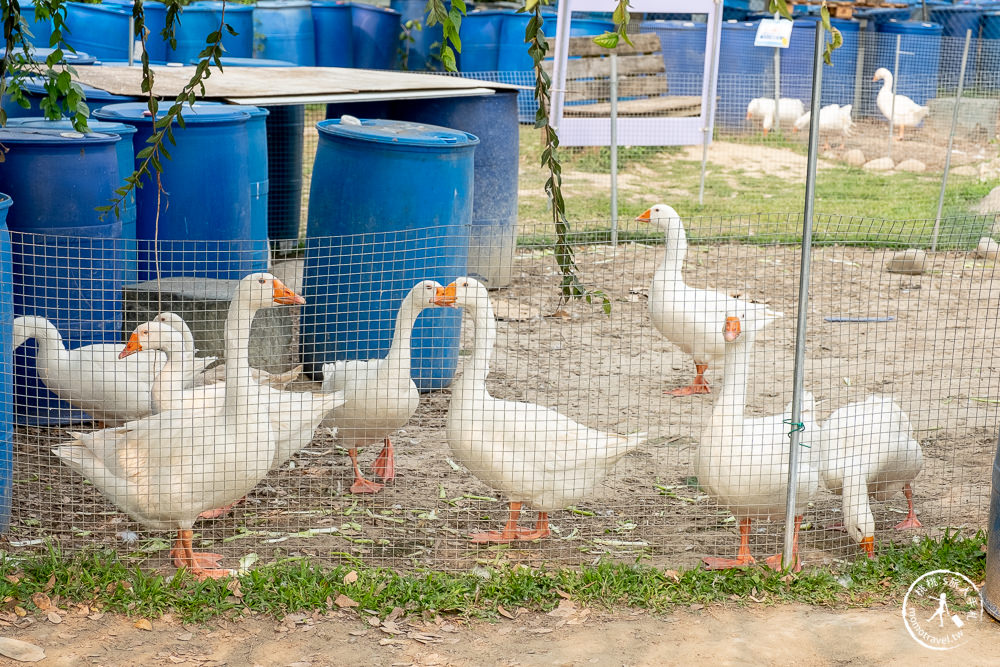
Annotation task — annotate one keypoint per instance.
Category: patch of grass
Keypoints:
(102, 581)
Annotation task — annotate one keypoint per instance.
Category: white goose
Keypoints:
(166, 469)
(743, 463)
(833, 118)
(532, 454)
(381, 397)
(91, 378)
(867, 450)
(905, 112)
(762, 108)
(215, 373)
(689, 317)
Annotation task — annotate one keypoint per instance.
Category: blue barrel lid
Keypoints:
(255, 112)
(199, 115)
(671, 23)
(357, 5)
(36, 85)
(809, 21)
(249, 62)
(65, 124)
(743, 25)
(331, 3)
(398, 132)
(909, 27)
(5, 201)
(39, 55)
(211, 6)
(35, 136)
(282, 4)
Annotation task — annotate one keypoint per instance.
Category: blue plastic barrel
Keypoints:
(205, 225)
(589, 27)
(34, 92)
(6, 369)
(375, 37)
(332, 33)
(493, 119)
(39, 55)
(68, 263)
(365, 249)
(155, 17)
(797, 62)
(40, 30)
(283, 30)
(418, 52)
(954, 21)
(101, 30)
(991, 589)
(126, 165)
(480, 35)
(920, 54)
(745, 72)
(683, 47)
(513, 52)
(197, 20)
(989, 55)
(883, 14)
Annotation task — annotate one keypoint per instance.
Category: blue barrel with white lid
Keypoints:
(35, 91)
(375, 37)
(6, 369)
(68, 260)
(283, 30)
(390, 205)
(205, 226)
(332, 33)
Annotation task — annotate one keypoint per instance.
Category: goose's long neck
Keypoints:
(887, 84)
(482, 347)
(240, 384)
(399, 352)
(46, 336)
(731, 404)
(676, 251)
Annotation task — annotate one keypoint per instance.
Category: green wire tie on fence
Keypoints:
(797, 427)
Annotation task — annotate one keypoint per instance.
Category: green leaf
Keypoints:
(608, 40)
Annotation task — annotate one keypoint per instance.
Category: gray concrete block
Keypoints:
(204, 304)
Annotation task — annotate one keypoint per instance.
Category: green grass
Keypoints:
(102, 581)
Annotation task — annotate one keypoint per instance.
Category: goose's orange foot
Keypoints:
(203, 560)
(222, 511)
(774, 562)
(689, 390)
(727, 563)
(362, 485)
(385, 462)
(909, 522)
(204, 573)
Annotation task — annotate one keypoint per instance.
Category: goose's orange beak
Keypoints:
(131, 347)
(445, 296)
(874, 78)
(748, 115)
(644, 217)
(868, 544)
(731, 329)
(285, 296)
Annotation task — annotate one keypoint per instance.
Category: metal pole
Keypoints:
(614, 150)
(708, 102)
(800, 325)
(131, 40)
(951, 140)
(777, 89)
(859, 68)
(895, 78)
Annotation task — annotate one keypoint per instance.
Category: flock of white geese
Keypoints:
(184, 443)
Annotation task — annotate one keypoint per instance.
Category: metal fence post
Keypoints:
(707, 111)
(777, 89)
(803, 307)
(895, 82)
(951, 140)
(614, 149)
(131, 40)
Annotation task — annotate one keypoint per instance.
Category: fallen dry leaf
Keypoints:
(20, 651)
(503, 612)
(373, 621)
(234, 587)
(41, 600)
(51, 583)
(350, 577)
(20, 612)
(96, 616)
(565, 608)
(394, 614)
(672, 574)
(54, 618)
(343, 601)
(143, 624)
(540, 631)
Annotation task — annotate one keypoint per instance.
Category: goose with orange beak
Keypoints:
(532, 454)
(689, 317)
(743, 462)
(166, 469)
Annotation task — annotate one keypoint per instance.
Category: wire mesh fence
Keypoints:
(924, 341)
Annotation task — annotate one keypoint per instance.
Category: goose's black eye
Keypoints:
(261, 281)
(465, 284)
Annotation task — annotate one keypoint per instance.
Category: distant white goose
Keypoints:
(833, 118)
(689, 317)
(905, 113)
(867, 450)
(762, 108)
(530, 453)
(743, 462)
(380, 395)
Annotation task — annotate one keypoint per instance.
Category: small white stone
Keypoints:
(912, 165)
(879, 164)
(988, 249)
(854, 157)
(910, 261)
(965, 170)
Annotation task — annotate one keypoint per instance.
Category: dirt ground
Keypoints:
(567, 637)
(936, 356)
